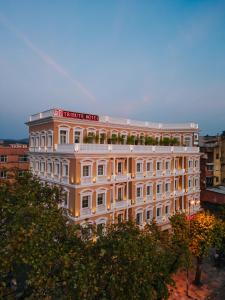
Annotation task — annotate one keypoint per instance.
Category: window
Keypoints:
(120, 218)
(167, 210)
(159, 165)
(176, 184)
(63, 136)
(187, 141)
(3, 158)
(190, 164)
(37, 166)
(217, 179)
(100, 228)
(189, 183)
(100, 170)
(158, 212)
(139, 218)
(101, 199)
(77, 136)
(149, 166)
(119, 167)
(32, 141)
(120, 194)
(217, 156)
(49, 167)
(86, 171)
(3, 174)
(139, 167)
(23, 158)
(149, 190)
(65, 198)
(42, 140)
(65, 170)
(210, 167)
(85, 201)
(102, 138)
(159, 188)
(37, 141)
(167, 165)
(167, 187)
(139, 191)
(149, 215)
(49, 141)
(42, 166)
(56, 171)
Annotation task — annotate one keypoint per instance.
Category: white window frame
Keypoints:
(67, 130)
(80, 130)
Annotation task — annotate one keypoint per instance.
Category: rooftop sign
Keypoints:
(75, 115)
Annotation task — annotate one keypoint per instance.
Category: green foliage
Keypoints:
(42, 256)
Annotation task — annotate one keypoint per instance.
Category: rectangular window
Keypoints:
(37, 141)
(189, 183)
(65, 170)
(120, 218)
(101, 199)
(190, 164)
(167, 165)
(3, 158)
(77, 136)
(148, 191)
(120, 194)
(86, 171)
(23, 158)
(159, 188)
(149, 166)
(49, 168)
(63, 137)
(159, 165)
(3, 174)
(57, 169)
(139, 169)
(149, 215)
(85, 201)
(119, 167)
(176, 184)
(21, 173)
(139, 191)
(167, 187)
(42, 141)
(167, 209)
(139, 218)
(49, 140)
(42, 166)
(187, 141)
(158, 212)
(100, 170)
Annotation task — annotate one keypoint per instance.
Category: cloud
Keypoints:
(46, 58)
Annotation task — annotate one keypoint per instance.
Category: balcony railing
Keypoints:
(110, 148)
(119, 204)
(140, 200)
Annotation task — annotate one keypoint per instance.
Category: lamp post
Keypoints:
(189, 227)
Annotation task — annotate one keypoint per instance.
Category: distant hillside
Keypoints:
(12, 141)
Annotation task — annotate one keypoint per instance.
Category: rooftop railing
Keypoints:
(121, 121)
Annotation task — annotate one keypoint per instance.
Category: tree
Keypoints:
(37, 247)
(198, 234)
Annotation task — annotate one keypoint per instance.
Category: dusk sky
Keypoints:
(147, 60)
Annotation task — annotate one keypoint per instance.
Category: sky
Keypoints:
(153, 60)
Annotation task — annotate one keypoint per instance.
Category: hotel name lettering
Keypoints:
(75, 115)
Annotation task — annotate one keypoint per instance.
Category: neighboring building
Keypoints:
(110, 171)
(212, 160)
(13, 157)
(215, 195)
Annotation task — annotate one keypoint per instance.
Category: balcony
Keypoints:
(119, 204)
(159, 197)
(140, 200)
(149, 174)
(149, 198)
(111, 148)
(101, 208)
(85, 211)
(159, 173)
(120, 177)
(86, 180)
(178, 172)
(139, 175)
(101, 179)
(179, 193)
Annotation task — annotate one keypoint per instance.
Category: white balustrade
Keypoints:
(118, 204)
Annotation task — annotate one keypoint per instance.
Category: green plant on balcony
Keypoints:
(149, 140)
(89, 138)
(102, 138)
(120, 139)
(175, 142)
(131, 140)
(165, 141)
(96, 138)
(114, 139)
(142, 140)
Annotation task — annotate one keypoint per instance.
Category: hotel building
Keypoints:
(115, 169)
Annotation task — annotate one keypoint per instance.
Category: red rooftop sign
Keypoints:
(75, 115)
